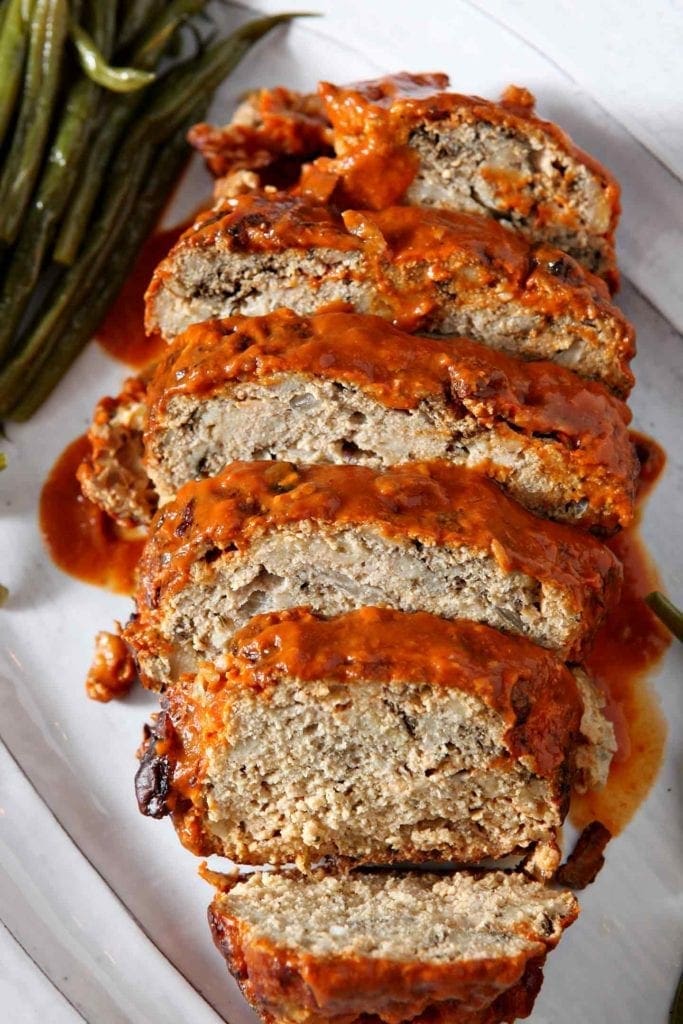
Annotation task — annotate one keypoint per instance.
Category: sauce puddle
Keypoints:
(81, 539)
(122, 332)
(628, 646)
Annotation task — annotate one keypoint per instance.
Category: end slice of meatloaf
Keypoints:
(375, 736)
(424, 269)
(262, 536)
(271, 133)
(113, 474)
(348, 388)
(405, 138)
(459, 948)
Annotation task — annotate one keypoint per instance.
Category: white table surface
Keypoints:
(106, 950)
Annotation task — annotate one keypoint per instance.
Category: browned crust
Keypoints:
(587, 425)
(424, 503)
(586, 860)
(288, 984)
(272, 132)
(112, 475)
(408, 253)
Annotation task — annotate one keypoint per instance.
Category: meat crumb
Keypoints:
(586, 859)
(112, 672)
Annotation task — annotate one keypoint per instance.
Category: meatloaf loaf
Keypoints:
(342, 387)
(262, 536)
(458, 948)
(375, 736)
(423, 268)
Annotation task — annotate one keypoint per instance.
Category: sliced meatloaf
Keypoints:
(423, 268)
(459, 948)
(113, 475)
(375, 736)
(342, 387)
(262, 536)
(406, 138)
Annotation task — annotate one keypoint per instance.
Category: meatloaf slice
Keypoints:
(263, 536)
(459, 948)
(342, 387)
(406, 138)
(424, 269)
(375, 736)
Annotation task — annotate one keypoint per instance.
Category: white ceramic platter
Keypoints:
(104, 914)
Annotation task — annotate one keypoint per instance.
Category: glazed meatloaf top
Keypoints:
(400, 372)
(373, 123)
(397, 369)
(406, 138)
(409, 254)
(432, 503)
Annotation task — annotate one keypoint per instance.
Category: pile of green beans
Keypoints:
(93, 115)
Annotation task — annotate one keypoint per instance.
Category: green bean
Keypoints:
(163, 28)
(676, 1011)
(13, 42)
(82, 313)
(129, 204)
(54, 190)
(136, 19)
(48, 32)
(171, 99)
(117, 119)
(667, 612)
(63, 309)
(97, 68)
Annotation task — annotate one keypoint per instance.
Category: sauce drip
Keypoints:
(81, 539)
(628, 646)
(122, 332)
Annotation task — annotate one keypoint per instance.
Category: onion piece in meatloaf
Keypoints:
(459, 948)
(262, 536)
(347, 388)
(423, 268)
(375, 736)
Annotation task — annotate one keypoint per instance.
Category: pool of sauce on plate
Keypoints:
(80, 538)
(122, 332)
(628, 646)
